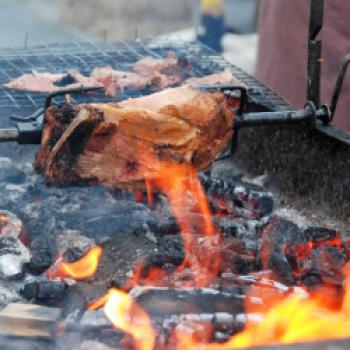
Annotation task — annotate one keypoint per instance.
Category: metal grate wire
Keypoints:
(84, 56)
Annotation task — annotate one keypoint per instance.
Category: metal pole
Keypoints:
(8, 135)
(315, 52)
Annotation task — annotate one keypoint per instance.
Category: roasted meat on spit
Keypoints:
(121, 144)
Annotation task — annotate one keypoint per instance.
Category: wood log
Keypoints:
(28, 320)
(121, 144)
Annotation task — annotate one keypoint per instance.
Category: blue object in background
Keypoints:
(214, 27)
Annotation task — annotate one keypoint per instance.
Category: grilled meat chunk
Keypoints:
(224, 77)
(48, 82)
(120, 145)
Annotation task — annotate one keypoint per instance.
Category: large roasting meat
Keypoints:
(120, 145)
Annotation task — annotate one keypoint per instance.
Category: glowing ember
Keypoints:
(78, 270)
(127, 316)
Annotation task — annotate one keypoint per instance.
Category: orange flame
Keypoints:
(78, 270)
(85, 267)
(294, 318)
(283, 318)
(186, 196)
(128, 316)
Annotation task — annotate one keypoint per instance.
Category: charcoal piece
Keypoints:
(243, 200)
(45, 225)
(226, 170)
(165, 227)
(44, 290)
(161, 303)
(311, 279)
(8, 293)
(230, 227)
(73, 245)
(75, 304)
(280, 233)
(109, 219)
(319, 234)
(282, 268)
(78, 297)
(125, 251)
(327, 262)
(169, 253)
(44, 251)
(13, 256)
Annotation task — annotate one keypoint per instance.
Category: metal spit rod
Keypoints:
(10, 134)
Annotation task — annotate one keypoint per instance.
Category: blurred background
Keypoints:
(228, 26)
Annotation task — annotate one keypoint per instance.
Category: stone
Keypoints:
(13, 256)
(73, 245)
(10, 224)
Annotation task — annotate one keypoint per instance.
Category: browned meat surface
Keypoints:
(117, 80)
(163, 73)
(225, 77)
(48, 82)
(119, 145)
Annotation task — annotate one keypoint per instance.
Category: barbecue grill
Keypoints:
(321, 146)
(305, 156)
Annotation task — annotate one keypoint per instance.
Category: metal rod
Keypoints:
(10, 134)
(315, 52)
(339, 85)
(274, 118)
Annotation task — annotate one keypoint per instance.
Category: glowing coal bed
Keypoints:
(203, 262)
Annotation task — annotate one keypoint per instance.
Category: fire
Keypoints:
(85, 267)
(284, 317)
(129, 317)
(297, 317)
(186, 196)
(79, 270)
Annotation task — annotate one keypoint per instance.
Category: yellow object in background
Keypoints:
(209, 5)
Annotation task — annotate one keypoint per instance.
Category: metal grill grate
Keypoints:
(83, 57)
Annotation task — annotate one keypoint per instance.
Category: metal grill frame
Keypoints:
(84, 56)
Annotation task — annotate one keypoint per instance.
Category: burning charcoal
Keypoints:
(319, 234)
(73, 245)
(13, 256)
(44, 251)
(10, 224)
(235, 198)
(75, 304)
(78, 297)
(327, 261)
(280, 233)
(280, 265)
(125, 251)
(161, 303)
(311, 279)
(44, 290)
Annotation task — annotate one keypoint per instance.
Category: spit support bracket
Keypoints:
(28, 130)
